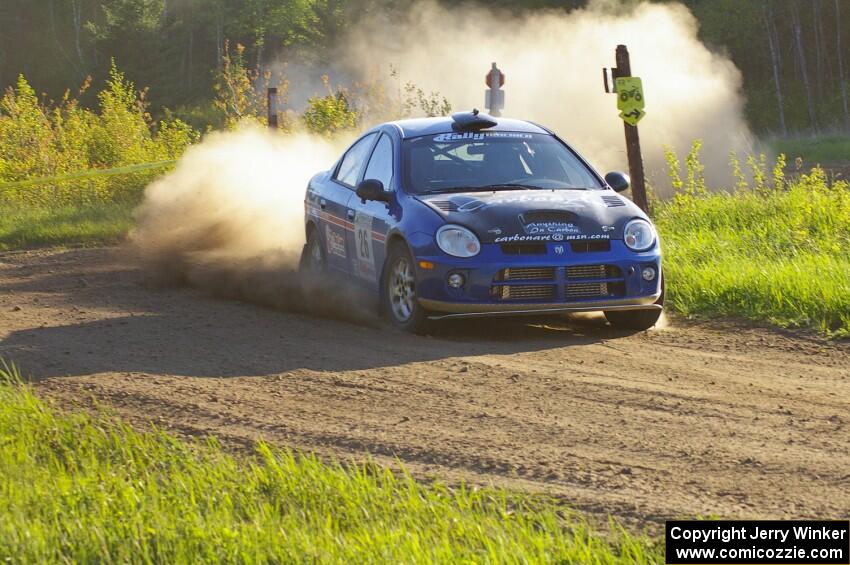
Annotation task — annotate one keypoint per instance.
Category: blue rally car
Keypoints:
(478, 216)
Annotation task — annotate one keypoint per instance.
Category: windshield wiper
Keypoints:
(486, 188)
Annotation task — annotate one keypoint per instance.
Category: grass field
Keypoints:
(31, 226)
(85, 488)
(777, 256)
(822, 149)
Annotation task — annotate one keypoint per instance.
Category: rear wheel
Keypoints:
(313, 259)
(636, 319)
(398, 292)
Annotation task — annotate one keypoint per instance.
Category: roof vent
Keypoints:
(472, 121)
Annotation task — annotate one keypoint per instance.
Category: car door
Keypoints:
(372, 219)
(335, 215)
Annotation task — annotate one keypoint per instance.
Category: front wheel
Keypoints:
(399, 296)
(636, 319)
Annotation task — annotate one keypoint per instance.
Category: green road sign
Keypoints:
(630, 99)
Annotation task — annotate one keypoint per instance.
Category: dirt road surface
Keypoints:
(695, 419)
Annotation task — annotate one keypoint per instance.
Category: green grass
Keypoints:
(24, 225)
(778, 256)
(823, 149)
(85, 488)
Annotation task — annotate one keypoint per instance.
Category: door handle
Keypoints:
(323, 203)
(350, 214)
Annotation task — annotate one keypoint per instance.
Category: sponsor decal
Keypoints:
(495, 231)
(335, 242)
(559, 250)
(521, 238)
(475, 136)
(607, 228)
(551, 227)
(556, 201)
(575, 204)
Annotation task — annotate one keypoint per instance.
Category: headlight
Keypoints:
(639, 235)
(458, 241)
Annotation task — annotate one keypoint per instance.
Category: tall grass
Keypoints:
(83, 488)
(39, 139)
(87, 224)
(776, 253)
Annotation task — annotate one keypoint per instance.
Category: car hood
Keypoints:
(520, 216)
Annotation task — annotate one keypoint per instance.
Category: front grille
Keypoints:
(590, 246)
(571, 283)
(524, 248)
(586, 290)
(526, 274)
(589, 272)
(524, 292)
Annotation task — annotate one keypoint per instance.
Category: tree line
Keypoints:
(792, 53)
(793, 56)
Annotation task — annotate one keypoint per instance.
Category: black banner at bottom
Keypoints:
(697, 542)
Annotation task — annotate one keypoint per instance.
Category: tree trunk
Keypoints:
(773, 42)
(191, 53)
(55, 35)
(840, 62)
(801, 58)
(219, 40)
(820, 54)
(77, 15)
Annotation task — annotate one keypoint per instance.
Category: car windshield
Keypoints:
(470, 161)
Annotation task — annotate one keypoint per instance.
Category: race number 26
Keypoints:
(363, 237)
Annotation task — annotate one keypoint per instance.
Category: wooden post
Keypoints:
(638, 184)
(272, 107)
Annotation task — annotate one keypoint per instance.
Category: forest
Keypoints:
(791, 53)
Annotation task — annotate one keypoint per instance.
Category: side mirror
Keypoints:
(372, 189)
(618, 181)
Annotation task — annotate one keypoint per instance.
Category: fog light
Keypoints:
(456, 280)
(648, 273)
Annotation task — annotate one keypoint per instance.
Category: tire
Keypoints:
(400, 302)
(313, 261)
(636, 319)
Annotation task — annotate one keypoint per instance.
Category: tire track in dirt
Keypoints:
(712, 419)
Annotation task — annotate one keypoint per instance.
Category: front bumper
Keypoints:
(456, 310)
(489, 292)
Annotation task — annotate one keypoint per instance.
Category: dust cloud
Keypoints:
(553, 64)
(230, 219)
